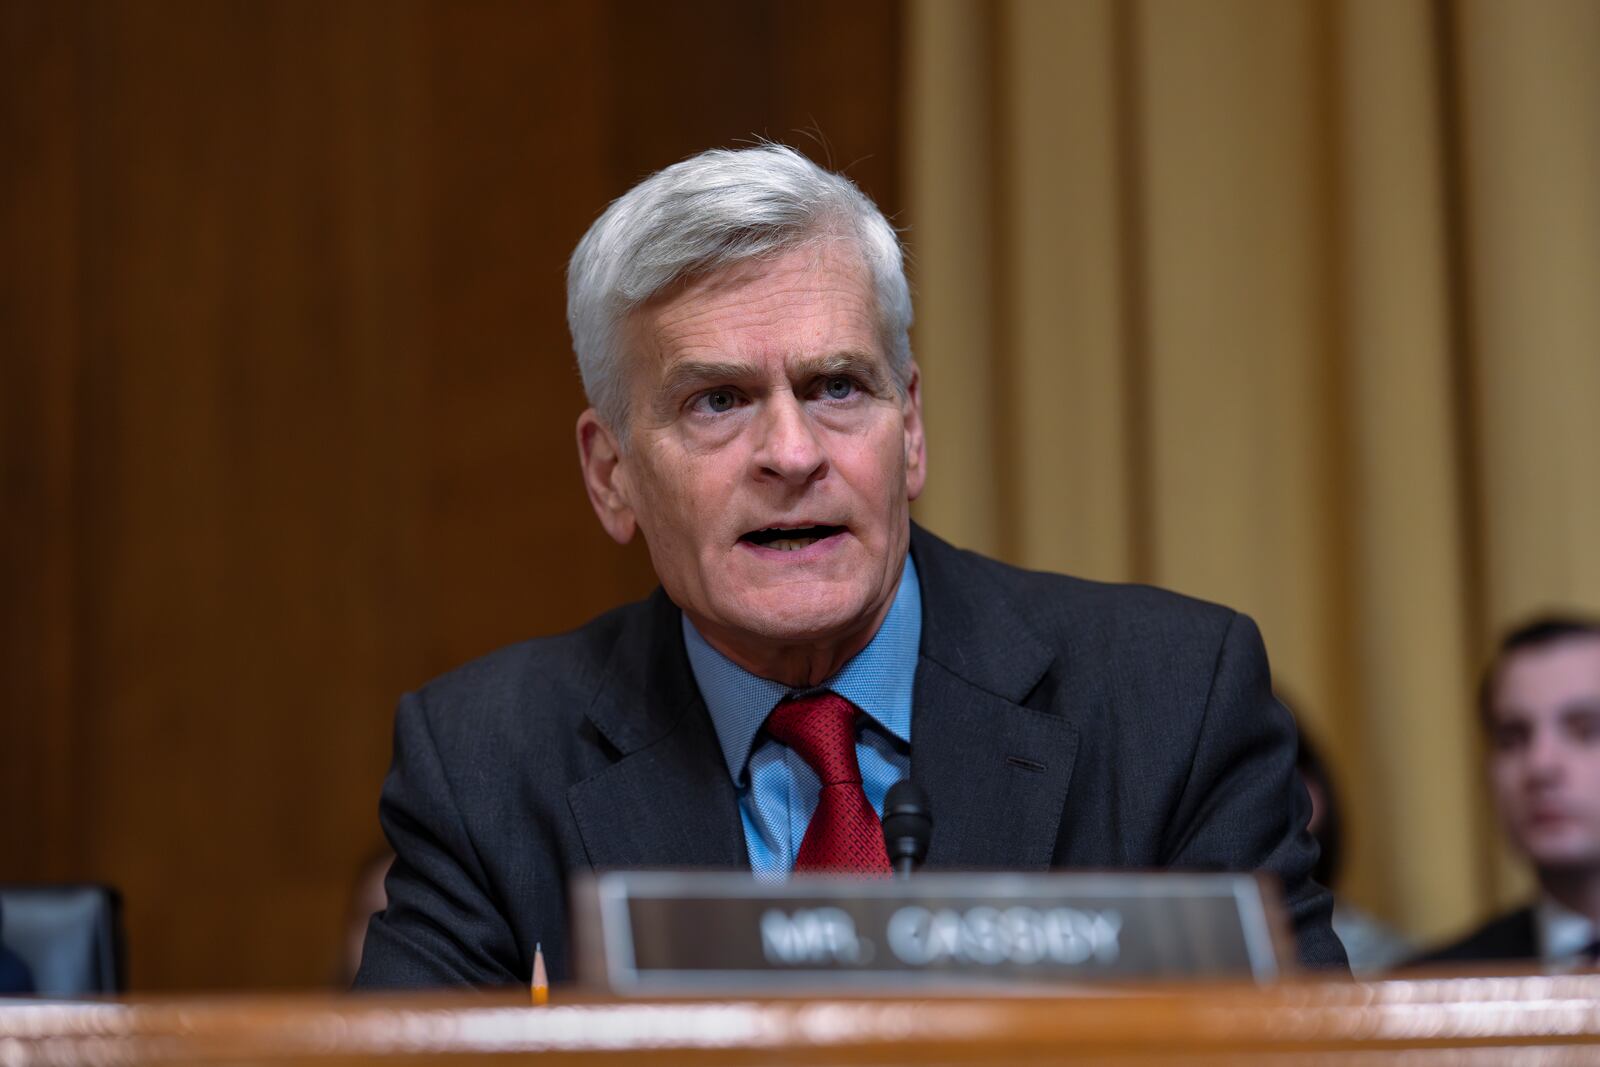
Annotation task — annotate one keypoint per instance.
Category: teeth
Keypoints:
(790, 544)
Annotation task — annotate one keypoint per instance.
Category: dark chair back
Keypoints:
(70, 936)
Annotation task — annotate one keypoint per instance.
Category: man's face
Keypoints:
(1544, 762)
(770, 459)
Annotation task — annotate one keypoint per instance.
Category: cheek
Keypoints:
(654, 504)
(1503, 778)
(880, 474)
(683, 503)
(1588, 773)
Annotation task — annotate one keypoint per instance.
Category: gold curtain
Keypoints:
(1293, 305)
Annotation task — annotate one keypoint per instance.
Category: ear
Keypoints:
(600, 456)
(916, 445)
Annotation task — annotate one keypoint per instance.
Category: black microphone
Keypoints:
(907, 826)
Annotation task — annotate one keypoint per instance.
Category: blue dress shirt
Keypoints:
(777, 789)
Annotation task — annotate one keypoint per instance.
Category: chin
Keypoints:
(1581, 858)
(796, 619)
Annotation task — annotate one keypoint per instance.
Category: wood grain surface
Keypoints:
(286, 401)
(1482, 1020)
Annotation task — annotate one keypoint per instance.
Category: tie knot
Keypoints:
(821, 727)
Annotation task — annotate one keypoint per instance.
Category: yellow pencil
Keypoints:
(541, 984)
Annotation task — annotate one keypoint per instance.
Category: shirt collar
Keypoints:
(1563, 933)
(878, 679)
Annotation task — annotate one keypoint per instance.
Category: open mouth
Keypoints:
(790, 539)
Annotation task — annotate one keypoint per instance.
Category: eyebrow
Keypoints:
(696, 372)
(1513, 715)
(869, 368)
(693, 373)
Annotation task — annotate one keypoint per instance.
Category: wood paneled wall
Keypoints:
(286, 401)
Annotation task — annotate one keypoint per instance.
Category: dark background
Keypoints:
(286, 401)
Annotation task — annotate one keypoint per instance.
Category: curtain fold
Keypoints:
(1290, 305)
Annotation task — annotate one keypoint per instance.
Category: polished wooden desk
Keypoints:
(1485, 1020)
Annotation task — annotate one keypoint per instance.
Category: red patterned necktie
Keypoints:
(844, 834)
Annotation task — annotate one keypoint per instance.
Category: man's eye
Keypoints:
(1508, 738)
(839, 388)
(1585, 729)
(717, 401)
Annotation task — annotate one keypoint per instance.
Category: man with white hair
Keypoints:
(741, 324)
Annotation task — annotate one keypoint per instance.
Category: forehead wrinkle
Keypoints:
(718, 294)
(761, 329)
(695, 323)
(762, 308)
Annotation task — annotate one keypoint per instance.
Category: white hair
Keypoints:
(705, 214)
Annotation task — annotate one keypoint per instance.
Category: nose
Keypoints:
(1545, 760)
(789, 449)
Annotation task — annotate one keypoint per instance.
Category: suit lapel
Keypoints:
(668, 800)
(996, 772)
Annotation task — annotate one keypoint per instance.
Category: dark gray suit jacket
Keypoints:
(1056, 723)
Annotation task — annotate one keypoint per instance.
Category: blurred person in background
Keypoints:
(1371, 945)
(1540, 706)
